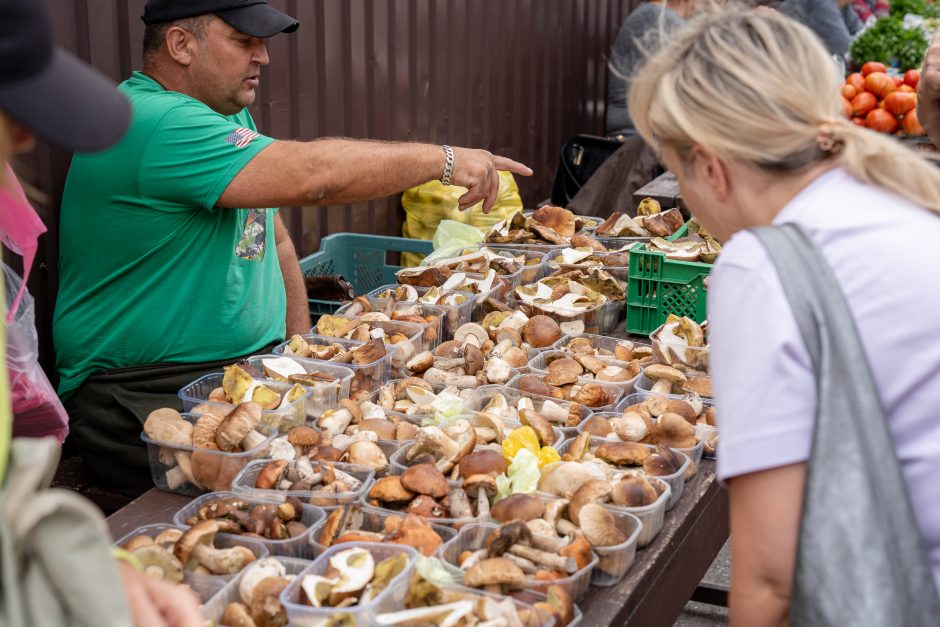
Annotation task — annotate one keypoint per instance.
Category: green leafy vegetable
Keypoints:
(890, 43)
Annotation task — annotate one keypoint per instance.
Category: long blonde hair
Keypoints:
(757, 87)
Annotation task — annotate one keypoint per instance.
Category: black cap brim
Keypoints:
(69, 104)
(259, 20)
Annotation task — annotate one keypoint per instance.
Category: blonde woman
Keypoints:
(745, 109)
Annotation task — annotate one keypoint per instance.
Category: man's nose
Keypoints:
(260, 53)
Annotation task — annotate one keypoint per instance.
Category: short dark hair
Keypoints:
(155, 34)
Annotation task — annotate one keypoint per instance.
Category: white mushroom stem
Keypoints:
(544, 558)
(222, 561)
(353, 483)
(566, 527)
(483, 503)
(547, 543)
(662, 386)
(474, 558)
(253, 440)
(336, 422)
(502, 347)
(525, 565)
(459, 504)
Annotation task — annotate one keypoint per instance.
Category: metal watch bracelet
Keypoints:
(448, 165)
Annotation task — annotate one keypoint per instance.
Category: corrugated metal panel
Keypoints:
(517, 77)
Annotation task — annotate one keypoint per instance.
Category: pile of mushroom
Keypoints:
(482, 260)
(259, 590)
(566, 297)
(213, 432)
(563, 372)
(357, 446)
(414, 397)
(242, 383)
(314, 347)
(327, 483)
(423, 490)
(556, 414)
(612, 457)
(389, 332)
(433, 296)
(461, 362)
(547, 225)
(156, 554)
(650, 221)
(353, 578)
(669, 380)
(562, 382)
(624, 350)
(426, 604)
(174, 552)
(349, 524)
(239, 516)
(589, 253)
(656, 420)
(372, 310)
(682, 342)
(442, 277)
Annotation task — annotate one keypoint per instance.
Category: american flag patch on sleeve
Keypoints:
(241, 137)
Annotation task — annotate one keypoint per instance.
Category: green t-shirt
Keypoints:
(150, 270)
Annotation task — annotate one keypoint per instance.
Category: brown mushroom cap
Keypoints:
(675, 431)
(634, 491)
(391, 490)
(334, 524)
(599, 526)
(623, 453)
(593, 395)
(370, 352)
(326, 453)
(701, 385)
(424, 505)
(425, 479)
(533, 384)
(662, 371)
(473, 483)
(597, 425)
(594, 491)
(266, 608)
(664, 463)
(272, 474)
(205, 429)
(494, 571)
(303, 436)
(483, 462)
(353, 408)
(541, 331)
(448, 350)
(540, 424)
(237, 424)
(202, 532)
(563, 371)
(659, 405)
(525, 507)
(473, 357)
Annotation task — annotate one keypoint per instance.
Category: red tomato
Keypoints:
(857, 81)
(912, 78)
(907, 89)
(879, 84)
(873, 66)
(898, 80)
(858, 121)
(863, 103)
(881, 121)
(899, 103)
(911, 125)
(849, 91)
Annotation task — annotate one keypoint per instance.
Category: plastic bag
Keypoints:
(428, 204)
(37, 410)
(452, 237)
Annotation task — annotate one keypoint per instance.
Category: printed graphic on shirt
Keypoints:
(252, 243)
(241, 137)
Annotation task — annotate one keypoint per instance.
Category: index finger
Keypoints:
(502, 163)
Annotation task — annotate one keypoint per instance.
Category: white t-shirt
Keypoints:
(885, 253)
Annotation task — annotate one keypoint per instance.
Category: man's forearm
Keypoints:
(298, 310)
(928, 114)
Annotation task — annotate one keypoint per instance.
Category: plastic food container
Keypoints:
(213, 610)
(694, 453)
(539, 365)
(611, 263)
(298, 547)
(244, 485)
(432, 330)
(389, 599)
(411, 330)
(373, 519)
(695, 357)
(325, 340)
(473, 537)
(530, 272)
(293, 415)
(217, 468)
(454, 315)
(599, 342)
(205, 586)
(599, 319)
(366, 377)
(675, 480)
(613, 562)
(644, 385)
(652, 516)
(323, 396)
(614, 391)
(483, 395)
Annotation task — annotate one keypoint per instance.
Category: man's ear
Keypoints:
(179, 43)
(712, 171)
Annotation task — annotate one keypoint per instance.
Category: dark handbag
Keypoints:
(581, 156)
(860, 557)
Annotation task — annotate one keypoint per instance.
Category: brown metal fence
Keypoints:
(517, 77)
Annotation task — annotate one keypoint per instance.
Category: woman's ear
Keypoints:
(712, 171)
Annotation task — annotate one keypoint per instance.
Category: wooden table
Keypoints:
(655, 589)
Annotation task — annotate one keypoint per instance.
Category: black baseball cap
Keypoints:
(252, 17)
(50, 91)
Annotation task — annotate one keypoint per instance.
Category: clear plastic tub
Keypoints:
(473, 537)
(367, 378)
(599, 342)
(411, 330)
(432, 330)
(531, 265)
(513, 373)
(599, 319)
(454, 315)
(610, 263)
(323, 396)
(613, 562)
(675, 480)
(692, 356)
(539, 365)
(652, 516)
(244, 485)
(644, 385)
(373, 519)
(215, 470)
(709, 436)
(215, 608)
(614, 391)
(452, 523)
(293, 415)
(205, 586)
(483, 395)
(298, 547)
(389, 599)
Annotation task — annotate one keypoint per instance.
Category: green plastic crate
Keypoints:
(659, 286)
(360, 259)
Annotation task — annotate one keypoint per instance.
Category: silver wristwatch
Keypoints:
(448, 164)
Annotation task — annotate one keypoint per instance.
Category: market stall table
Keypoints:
(664, 189)
(655, 589)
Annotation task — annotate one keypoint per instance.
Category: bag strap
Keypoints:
(860, 557)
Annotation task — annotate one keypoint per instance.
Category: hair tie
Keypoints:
(826, 137)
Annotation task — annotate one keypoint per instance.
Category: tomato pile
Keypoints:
(875, 100)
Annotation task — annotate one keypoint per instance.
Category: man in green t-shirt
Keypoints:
(171, 264)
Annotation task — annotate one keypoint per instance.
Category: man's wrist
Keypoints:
(448, 174)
